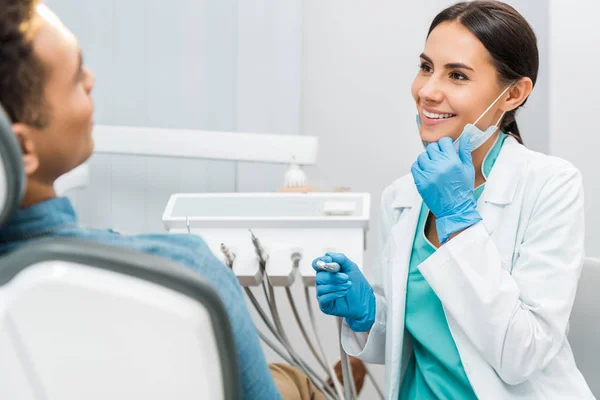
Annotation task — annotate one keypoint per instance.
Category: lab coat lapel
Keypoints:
(408, 205)
(501, 186)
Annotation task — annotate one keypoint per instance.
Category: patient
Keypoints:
(46, 91)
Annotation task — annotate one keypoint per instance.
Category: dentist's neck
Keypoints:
(479, 156)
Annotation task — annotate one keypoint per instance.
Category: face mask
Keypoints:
(478, 137)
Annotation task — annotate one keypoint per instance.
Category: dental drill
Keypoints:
(229, 255)
(262, 254)
(331, 267)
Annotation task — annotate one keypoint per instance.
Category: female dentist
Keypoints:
(482, 244)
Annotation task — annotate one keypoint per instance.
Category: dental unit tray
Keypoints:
(309, 224)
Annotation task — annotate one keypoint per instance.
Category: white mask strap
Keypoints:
(492, 105)
(498, 123)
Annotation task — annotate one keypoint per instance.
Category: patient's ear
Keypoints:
(31, 161)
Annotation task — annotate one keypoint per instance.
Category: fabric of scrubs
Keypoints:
(435, 370)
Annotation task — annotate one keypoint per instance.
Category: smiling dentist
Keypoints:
(482, 244)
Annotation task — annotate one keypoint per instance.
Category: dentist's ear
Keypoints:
(517, 95)
(31, 161)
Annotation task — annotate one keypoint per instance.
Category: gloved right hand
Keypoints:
(346, 293)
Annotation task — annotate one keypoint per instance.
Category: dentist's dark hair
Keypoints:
(508, 38)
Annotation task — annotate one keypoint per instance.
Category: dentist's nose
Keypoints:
(431, 92)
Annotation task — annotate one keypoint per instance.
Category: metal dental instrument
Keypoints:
(336, 382)
(263, 256)
(229, 255)
(187, 223)
(329, 267)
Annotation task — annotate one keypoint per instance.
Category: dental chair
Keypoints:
(584, 330)
(80, 320)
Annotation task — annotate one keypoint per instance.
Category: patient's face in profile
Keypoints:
(456, 83)
(65, 141)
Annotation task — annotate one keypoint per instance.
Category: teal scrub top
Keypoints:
(435, 370)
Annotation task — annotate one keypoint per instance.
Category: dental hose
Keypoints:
(277, 330)
(296, 260)
(283, 337)
(297, 361)
(336, 382)
(349, 383)
(263, 257)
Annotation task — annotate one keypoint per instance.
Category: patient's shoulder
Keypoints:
(192, 252)
(187, 250)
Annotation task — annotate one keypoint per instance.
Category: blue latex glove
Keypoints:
(445, 179)
(346, 293)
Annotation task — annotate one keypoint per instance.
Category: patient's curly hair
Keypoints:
(21, 72)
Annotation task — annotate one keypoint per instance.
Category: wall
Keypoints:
(574, 135)
(215, 65)
(533, 118)
(147, 76)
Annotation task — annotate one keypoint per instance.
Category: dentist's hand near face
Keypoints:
(446, 179)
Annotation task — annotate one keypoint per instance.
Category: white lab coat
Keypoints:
(507, 284)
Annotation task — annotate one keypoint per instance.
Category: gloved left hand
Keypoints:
(346, 294)
(445, 179)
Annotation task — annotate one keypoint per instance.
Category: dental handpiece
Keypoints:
(229, 255)
(331, 267)
(260, 251)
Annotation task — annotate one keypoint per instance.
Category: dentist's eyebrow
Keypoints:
(424, 57)
(456, 65)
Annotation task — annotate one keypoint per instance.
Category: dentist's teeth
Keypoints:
(436, 116)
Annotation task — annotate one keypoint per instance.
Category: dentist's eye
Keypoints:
(457, 76)
(425, 68)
